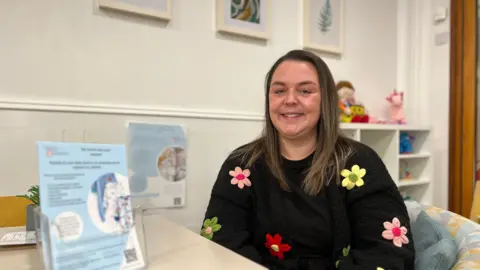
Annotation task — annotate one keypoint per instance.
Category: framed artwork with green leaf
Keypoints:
(323, 25)
(244, 17)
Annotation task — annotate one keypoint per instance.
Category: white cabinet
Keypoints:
(413, 171)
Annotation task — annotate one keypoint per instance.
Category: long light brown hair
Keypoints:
(332, 149)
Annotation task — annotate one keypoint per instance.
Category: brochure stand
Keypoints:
(92, 256)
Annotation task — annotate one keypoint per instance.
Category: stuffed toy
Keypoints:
(406, 143)
(346, 92)
(358, 114)
(396, 107)
(351, 111)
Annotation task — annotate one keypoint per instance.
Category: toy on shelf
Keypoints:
(406, 143)
(351, 111)
(396, 107)
(375, 120)
(405, 173)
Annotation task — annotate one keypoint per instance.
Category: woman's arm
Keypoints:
(379, 221)
(228, 219)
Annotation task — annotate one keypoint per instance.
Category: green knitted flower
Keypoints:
(210, 226)
(345, 252)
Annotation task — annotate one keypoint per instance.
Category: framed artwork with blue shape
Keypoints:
(249, 18)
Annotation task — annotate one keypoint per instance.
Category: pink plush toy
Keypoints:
(396, 107)
(375, 120)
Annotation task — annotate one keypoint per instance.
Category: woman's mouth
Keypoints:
(291, 115)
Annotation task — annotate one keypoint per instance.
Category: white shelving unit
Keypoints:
(385, 140)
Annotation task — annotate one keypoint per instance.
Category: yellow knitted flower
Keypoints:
(353, 178)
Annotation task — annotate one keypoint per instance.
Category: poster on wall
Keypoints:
(159, 9)
(244, 17)
(157, 164)
(323, 25)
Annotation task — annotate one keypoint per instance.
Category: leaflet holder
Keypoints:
(98, 252)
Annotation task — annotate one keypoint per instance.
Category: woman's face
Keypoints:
(294, 98)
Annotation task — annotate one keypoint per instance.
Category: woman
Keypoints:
(303, 196)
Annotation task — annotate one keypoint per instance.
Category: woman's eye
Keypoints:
(305, 91)
(278, 91)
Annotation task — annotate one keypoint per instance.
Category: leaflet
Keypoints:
(157, 156)
(85, 201)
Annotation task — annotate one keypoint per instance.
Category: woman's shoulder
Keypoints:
(368, 167)
(248, 155)
(238, 170)
(362, 153)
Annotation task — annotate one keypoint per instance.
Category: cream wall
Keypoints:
(102, 69)
(440, 102)
(68, 50)
(424, 69)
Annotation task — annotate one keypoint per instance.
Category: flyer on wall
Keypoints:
(85, 198)
(157, 164)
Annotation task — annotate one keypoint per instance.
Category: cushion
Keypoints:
(469, 252)
(458, 226)
(434, 246)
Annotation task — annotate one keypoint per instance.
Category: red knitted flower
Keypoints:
(275, 246)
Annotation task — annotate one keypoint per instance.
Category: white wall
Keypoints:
(440, 102)
(70, 57)
(68, 50)
(424, 69)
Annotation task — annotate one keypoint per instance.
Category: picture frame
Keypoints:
(250, 18)
(323, 25)
(160, 9)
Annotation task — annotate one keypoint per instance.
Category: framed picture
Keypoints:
(244, 17)
(323, 25)
(159, 9)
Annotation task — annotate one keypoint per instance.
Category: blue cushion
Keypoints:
(434, 247)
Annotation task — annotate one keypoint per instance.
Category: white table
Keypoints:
(169, 245)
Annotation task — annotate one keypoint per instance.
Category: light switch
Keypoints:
(441, 14)
(442, 38)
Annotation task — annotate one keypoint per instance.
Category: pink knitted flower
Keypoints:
(396, 232)
(240, 177)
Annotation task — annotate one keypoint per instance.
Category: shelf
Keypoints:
(413, 182)
(353, 126)
(412, 156)
(417, 165)
(353, 134)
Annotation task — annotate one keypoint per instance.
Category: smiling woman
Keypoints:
(301, 85)
(294, 98)
(302, 196)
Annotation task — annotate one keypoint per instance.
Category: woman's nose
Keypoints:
(291, 97)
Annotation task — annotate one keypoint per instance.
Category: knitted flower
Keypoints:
(240, 177)
(209, 227)
(353, 178)
(275, 246)
(345, 252)
(396, 232)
